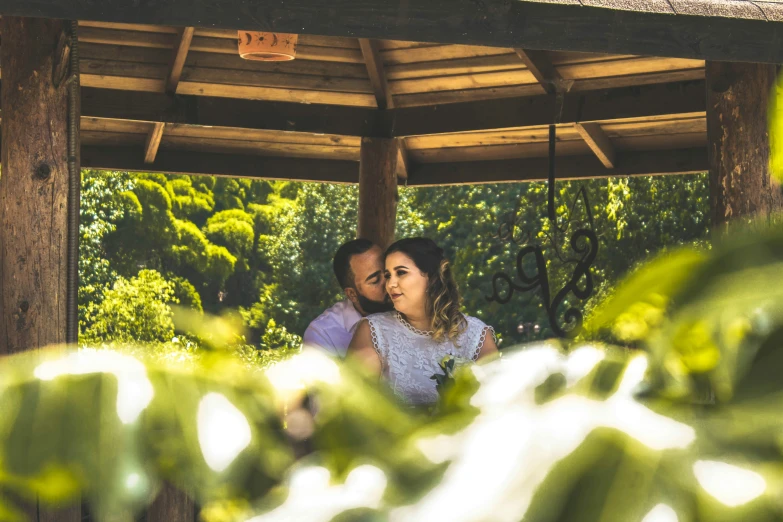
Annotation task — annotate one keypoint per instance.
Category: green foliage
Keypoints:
(134, 310)
(269, 255)
(688, 429)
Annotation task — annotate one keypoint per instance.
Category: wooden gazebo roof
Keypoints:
(180, 99)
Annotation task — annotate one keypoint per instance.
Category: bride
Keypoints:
(406, 345)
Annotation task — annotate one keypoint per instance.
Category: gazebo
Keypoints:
(381, 93)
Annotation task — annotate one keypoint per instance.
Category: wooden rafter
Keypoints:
(539, 64)
(377, 73)
(629, 163)
(218, 164)
(153, 142)
(598, 142)
(180, 54)
(402, 160)
(607, 104)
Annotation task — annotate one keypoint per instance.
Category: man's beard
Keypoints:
(374, 307)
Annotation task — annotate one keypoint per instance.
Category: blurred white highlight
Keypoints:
(134, 389)
(302, 370)
(312, 499)
(500, 460)
(730, 485)
(223, 431)
(661, 513)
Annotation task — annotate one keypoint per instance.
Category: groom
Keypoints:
(358, 266)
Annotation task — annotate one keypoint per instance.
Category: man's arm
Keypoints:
(314, 336)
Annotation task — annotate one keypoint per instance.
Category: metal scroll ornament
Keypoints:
(583, 243)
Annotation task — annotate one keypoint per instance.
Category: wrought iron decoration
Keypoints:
(583, 242)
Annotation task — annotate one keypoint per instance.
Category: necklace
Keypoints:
(412, 328)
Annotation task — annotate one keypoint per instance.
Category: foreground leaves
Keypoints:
(688, 429)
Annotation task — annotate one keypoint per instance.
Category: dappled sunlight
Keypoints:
(661, 513)
(730, 485)
(223, 431)
(312, 498)
(508, 451)
(296, 374)
(134, 390)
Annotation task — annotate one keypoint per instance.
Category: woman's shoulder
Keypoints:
(382, 318)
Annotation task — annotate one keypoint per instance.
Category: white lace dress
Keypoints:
(410, 357)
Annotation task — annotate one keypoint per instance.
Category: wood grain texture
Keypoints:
(378, 190)
(33, 188)
(738, 97)
(599, 143)
(499, 23)
(33, 199)
(185, 36)
(377, 73)
(153, 142)
(684, 161)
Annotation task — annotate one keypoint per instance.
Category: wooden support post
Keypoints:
(741, 187)
(33, 195)
(378, 190)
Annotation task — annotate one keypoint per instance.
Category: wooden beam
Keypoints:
(225, 112)
(598, 142)
(608, 104)
(153, 142)
(402, 161)
(738, 98)
(378, 190)
(184, 37)
(539, 64)
(214, 164)
(524, 24)
(33, 200)
(377, 73)
(646, 163)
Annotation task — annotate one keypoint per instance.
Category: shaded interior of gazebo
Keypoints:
(462, 113)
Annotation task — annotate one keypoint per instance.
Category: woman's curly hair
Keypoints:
(443, 299)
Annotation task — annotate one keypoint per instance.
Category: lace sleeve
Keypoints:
(482, 338)
(477, 336)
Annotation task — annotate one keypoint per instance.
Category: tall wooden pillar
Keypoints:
(33, 187)
(378, 190)
(33, 195)
(741, 187)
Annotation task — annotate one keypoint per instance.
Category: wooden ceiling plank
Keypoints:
(153, 142)
(217, 164)
(598, 142)
(184, 38)
(525, 111)
(376, 72)
(644, 163)
(277, 94)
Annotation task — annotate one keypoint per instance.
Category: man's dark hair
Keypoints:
(342, 260)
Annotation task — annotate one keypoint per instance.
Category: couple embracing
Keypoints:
(401, 317)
